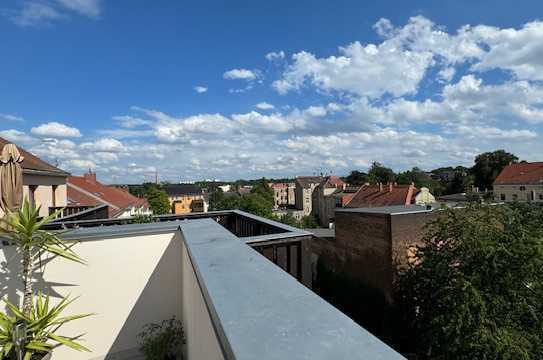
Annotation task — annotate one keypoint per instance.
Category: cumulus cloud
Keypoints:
(55, 130)
(240, 74)
(37, 12)
(274, 56)
(200, 89)
(264, 106)
(89, 8)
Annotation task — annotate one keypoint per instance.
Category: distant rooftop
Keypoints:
(391, 210)
(182, 189)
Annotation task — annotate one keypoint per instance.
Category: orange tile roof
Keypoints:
(521, 174)
(386, 195)
(86, 191)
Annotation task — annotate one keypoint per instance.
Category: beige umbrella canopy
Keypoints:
(11, 179)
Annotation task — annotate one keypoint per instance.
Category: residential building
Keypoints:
(225, 188)
(234, 280)
(371, 244)
(520, 182)
(186, 198)
(305, 185)
(44, 185)
(87, 191)
(328, 196)
(389, 195)
(284, 194)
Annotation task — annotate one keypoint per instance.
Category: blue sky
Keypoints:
(236, 89)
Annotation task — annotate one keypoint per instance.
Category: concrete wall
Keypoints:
(128, 282)
(202, 340)
(531, 193)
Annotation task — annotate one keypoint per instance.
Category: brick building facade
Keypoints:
(370, 244)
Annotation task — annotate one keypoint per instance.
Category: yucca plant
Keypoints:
(24, 230)
(43, 325)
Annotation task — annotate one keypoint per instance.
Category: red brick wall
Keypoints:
(369, 247)
(361, 249)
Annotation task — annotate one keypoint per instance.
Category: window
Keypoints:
(522, 188)
(515, 197)
(502, 197)
(540, 196)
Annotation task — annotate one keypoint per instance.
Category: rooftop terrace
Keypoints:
(233, 302)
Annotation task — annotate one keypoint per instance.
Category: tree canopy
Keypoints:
(475, 288)
(489, 165)
(380, 174)
(158, 200)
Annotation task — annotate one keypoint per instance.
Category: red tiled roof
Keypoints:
(521, 174)
(34, 163)
(86, 191)
(373, 196)
(336, 181)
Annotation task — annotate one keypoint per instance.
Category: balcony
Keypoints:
(234, 302)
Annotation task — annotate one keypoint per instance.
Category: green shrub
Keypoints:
(162, 341)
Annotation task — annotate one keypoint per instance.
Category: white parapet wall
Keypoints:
(128, 282)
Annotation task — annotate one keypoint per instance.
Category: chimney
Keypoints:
(380, 186)
(90, 176)
(390, 187)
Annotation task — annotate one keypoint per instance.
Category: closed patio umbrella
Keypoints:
(11, 179)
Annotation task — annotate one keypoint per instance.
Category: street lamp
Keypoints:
(18, 335)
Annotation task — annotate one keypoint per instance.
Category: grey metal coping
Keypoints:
(390, 210)
(261, 312)
(323, 233)
(167, 225)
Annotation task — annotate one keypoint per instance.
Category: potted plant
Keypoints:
(36, 324)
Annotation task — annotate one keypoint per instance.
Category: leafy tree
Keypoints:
(488, 166)
(308, 222)
(158, 201)
(475, 288)
(420, 178)
(357, 178)
(219, 201)
(264, 190)
(256, 204)
(288, 219)
(380, 174)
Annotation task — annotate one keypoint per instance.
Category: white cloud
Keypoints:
(520, 51)
(264, 106)
(90, 8)
(240, 74)
(55, 130)
(370, 70)
(104, 145)
(34, 12)
(130, 122)
(273, 56)
(17, 137)
(9, 117)
(480, 132)
(37, 12)
(200, 89)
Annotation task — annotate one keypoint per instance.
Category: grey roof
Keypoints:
(306, 181)
(390, 210)
(182, 189)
